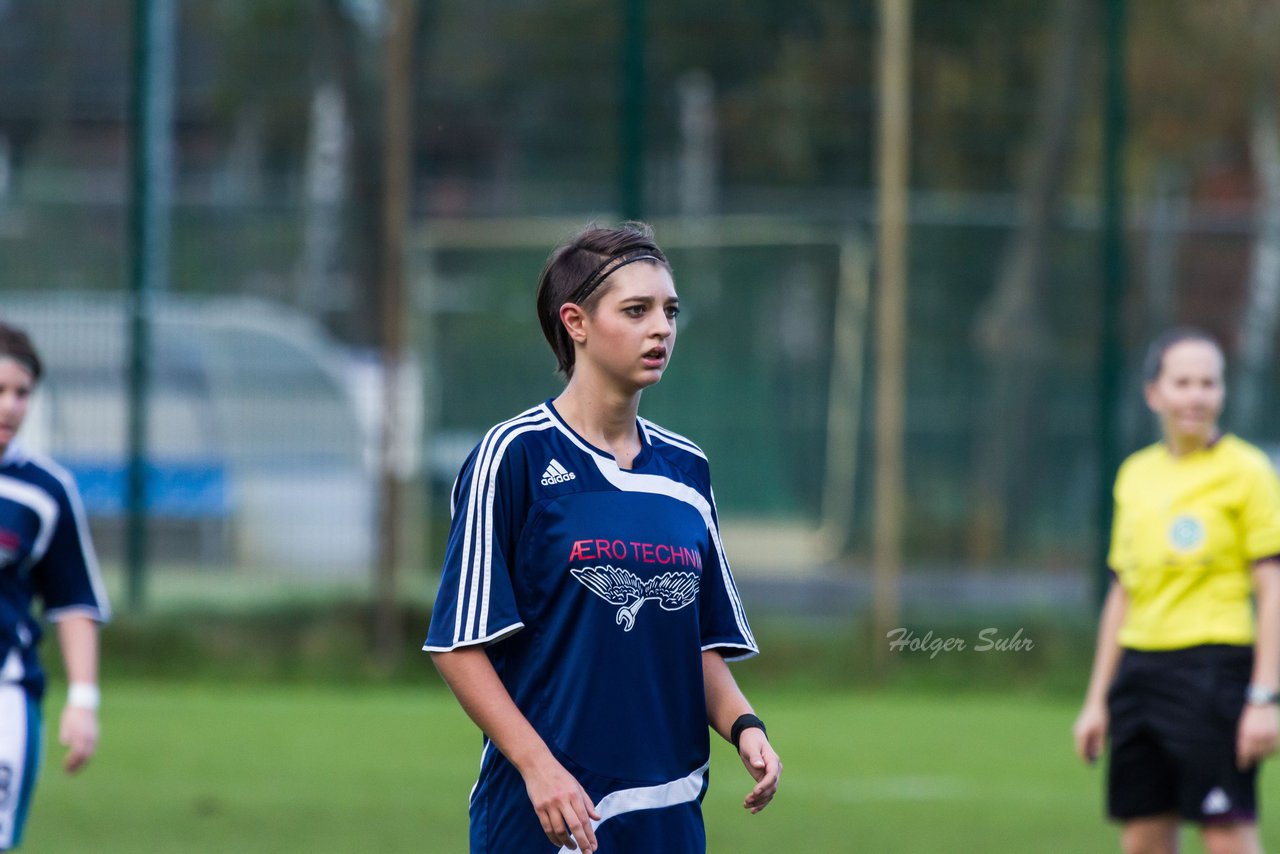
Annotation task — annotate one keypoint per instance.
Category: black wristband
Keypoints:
(742, 723)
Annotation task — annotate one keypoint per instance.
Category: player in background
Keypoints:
(1186, 672)
(586, 610)
(45, 553)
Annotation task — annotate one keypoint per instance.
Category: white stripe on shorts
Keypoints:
(13, 758)
(682, 791)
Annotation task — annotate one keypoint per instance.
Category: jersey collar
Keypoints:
(641, 458)
(13, 455)
(1213, 442)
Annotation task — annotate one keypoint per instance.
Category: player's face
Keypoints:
(631, 331)
(15, 394)
(1189, 392)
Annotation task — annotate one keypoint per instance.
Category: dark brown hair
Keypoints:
(1153, 362)
(15, 344)
(578, 271)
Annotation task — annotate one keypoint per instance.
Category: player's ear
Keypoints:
(1149, 394)
(574, 319)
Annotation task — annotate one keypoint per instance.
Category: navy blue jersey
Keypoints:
(44, 552)
(595, 590)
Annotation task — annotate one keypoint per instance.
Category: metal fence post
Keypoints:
(1110, 356)
(151, 111)
(631, 110)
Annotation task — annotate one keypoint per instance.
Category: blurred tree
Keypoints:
(354, 47)
(1010, 331)
(268, 54)
(979, 79)
(1204, 79)
(278, 60)
(62, 72)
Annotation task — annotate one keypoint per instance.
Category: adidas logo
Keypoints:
(556, 473)
(1216, 802)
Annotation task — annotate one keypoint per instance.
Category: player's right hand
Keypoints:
(1090, 732)
(78, 732)
(563, 806)
(764, 766)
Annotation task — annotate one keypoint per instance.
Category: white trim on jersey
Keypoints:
(478, 535)
(42, 504)
(484, 752)
(12, 671)
(670, 438)
(55, 614)
(453, 497)
(682, 791)
(491, 638)
(90, 557)
(656, 484)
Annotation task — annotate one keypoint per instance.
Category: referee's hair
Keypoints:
(1153, 362)
(576, 272)
(15, 344)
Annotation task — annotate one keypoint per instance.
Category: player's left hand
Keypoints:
(764, 766)
(78, 732)
(1257, 734)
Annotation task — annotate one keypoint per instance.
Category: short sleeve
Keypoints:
(1114, 558)
(67, 578)
(723, 620)
(1260, 514)
(476, 603)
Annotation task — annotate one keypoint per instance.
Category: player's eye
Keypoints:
(673, 311)
(633, 310)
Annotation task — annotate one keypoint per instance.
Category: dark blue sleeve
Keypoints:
(476, 603)
(723, 618)
(67, 577)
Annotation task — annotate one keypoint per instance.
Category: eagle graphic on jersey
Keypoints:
(617, 586)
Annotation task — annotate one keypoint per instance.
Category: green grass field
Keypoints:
(198, 767)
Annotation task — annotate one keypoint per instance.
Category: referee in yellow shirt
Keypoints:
(1187, 667)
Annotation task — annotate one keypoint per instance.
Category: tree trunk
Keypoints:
(1010, 332)
(358, 76)
(1166, 230)
(1262, 302)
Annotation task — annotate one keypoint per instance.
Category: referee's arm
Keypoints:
(1260, 721)
(1090, 730)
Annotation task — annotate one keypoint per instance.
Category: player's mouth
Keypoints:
(655, 358)
(1194, 421)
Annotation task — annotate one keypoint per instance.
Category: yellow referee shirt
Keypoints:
(1186, 533)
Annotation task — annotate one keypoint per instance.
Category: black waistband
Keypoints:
(1203, 654)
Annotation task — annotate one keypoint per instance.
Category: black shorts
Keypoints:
(1173, 722)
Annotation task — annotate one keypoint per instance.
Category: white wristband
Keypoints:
(84, 695)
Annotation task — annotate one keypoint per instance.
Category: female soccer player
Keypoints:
(44, 552)
(1185, 675)
(586, 609)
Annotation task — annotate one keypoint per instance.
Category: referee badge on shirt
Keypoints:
(1186, 534)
